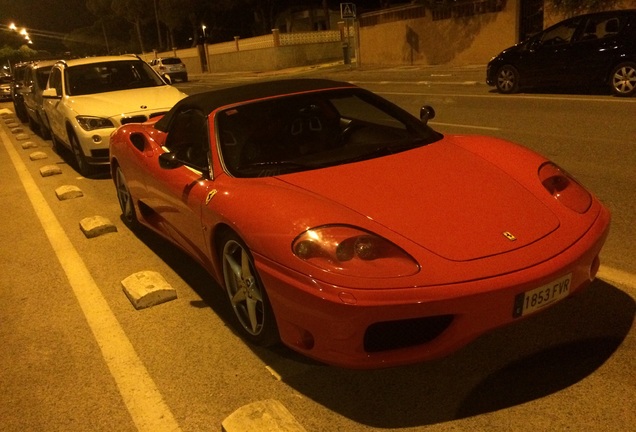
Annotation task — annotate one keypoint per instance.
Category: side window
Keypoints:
(188, 137)
(28, 77)
(55, 80)
(561, 34)
(600, 28)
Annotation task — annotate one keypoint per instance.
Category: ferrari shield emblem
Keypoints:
(510, 236)
(210, 196)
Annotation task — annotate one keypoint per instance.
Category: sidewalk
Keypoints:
(436, 73)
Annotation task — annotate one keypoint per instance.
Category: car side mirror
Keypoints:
(172, 160)
(169, 161)
(50, 93)
(534, 45)
(427, 113)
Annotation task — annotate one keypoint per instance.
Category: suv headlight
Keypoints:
(89, 123)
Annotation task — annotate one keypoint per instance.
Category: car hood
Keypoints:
(125, 102)
(457, 205)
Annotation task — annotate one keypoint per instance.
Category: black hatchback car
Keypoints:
(580, 52)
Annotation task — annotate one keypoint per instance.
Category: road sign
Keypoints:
(347, 10)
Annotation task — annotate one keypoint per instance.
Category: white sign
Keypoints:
(347, 10)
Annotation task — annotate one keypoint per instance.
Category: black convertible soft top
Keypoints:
(213, 99)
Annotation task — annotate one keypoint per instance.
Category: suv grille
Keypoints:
(141, 118)
(134, 119)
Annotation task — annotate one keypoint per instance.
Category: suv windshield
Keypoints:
(110, 76)
(316, 130)
(171, 60)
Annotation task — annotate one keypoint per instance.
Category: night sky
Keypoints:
(63, 16)
(60, 16)
(49, 15)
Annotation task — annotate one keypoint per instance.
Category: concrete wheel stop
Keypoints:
(95, 226)
(38, 155)
(263, 416)
(147, 288)
(50, 170)
(68, 192)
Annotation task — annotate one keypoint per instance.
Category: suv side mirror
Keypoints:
(50, 93)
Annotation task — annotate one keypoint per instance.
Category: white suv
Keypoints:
(170, 68)
(87, 99)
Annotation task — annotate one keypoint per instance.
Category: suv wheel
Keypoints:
(623, 79)
(45, 133)
(83, 166)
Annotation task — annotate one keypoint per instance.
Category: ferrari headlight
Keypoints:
(564, 188)
(353, 252)
(89, 123)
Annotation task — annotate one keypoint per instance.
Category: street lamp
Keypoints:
(203, 27)
(23, 32)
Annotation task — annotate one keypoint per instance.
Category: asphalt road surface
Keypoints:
(76, 356)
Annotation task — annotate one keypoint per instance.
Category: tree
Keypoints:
(577, 7)
(132, 11)
(101, 9)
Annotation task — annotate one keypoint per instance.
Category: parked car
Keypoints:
(87, 99)
(16, 95)
(350, 230)
(587, 50)
(36, 77)
(171, 68)
(5, 87)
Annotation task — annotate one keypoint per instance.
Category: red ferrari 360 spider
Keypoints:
(350, 230)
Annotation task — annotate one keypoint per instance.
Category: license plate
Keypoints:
(538, 298)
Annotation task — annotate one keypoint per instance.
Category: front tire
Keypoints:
(83, 166)
(248, 299)
(623, 79)
(507, 79)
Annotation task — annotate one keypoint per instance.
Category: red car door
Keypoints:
(177, 195)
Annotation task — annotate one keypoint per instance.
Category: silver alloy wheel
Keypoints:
(624, 79)
(125, 199)
(244, 290)
(507, 79)
(83, 167)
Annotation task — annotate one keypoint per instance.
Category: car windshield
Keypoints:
(314, 130)
(171, 60)
(110, 76)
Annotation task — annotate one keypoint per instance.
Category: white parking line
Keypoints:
(145, 404)
(556, 97)
(618, 277)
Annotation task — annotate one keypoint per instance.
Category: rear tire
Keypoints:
(623, 79)
(507, 79)
(126, 203)
(45, 133)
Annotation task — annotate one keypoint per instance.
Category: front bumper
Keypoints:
(364, 328)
